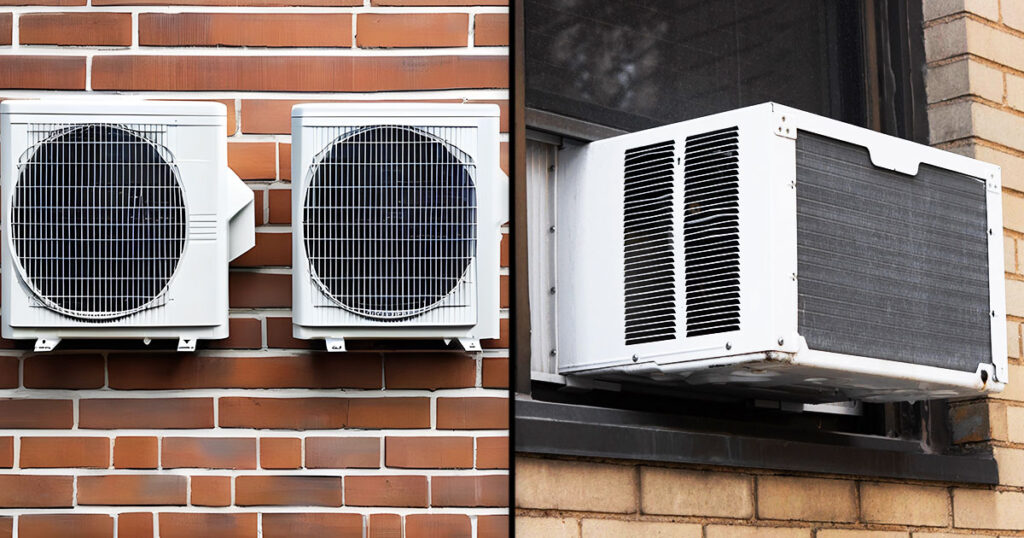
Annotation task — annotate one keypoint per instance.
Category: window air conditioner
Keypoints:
(397, 210)
(774, 252)
(119, 219)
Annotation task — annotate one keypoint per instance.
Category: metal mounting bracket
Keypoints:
(46, 343)
(186, 344)
(470, 344)
(335, 344)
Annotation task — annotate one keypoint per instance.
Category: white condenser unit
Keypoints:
(775, 253)
(397, 212)
(119, 219)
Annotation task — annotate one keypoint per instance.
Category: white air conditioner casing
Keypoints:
(119, 219)
(775, 253)
(397, 212)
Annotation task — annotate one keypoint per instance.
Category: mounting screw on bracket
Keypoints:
(552, 290)
(728, 345)
(636, 358)
(782, 341)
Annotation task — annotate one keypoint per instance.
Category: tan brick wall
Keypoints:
(975, 89)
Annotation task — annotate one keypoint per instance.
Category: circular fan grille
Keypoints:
(98, 221)
(390, 221)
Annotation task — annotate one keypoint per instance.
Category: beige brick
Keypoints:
(938, 535)
(570, 485)
(1013, 14)
(886, 503)
(1015, 388)
(1015, 424)
(945, 40)
(1009, 255)
(1015, 297)
(996, 125)
(1013, 339)
(964, 77)
(847, 533)
(781, 497)
(553, 527)
(730, 531)
(987, 509)
(704, 493)
(960, 36)
(949, 121)
(1015, 92)
(933, 9)
(1011, 466)
(1012, 166)
(610, 528)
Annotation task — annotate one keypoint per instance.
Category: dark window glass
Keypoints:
(635, 64)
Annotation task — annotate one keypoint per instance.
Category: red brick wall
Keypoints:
(259, 434)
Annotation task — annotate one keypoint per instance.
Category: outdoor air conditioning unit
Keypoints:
(772, 252)
(119, 219)
(397, 210)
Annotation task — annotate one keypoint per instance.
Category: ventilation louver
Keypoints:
(711, 231)
(98, 219)
(650, 280)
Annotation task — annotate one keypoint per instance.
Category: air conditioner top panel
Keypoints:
(395, 110)
(107, 106)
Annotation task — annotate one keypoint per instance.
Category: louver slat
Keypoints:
(650, 289)
(711, 232)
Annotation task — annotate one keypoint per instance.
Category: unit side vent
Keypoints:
(650, 282)
(711, 232)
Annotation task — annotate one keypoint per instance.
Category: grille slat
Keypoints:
(98, 218)
(390, 221)
(711, 232)
(648, 233)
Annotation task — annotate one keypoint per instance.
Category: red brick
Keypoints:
(42, 2)
(429, 371)
(501, 341)
(6, 25)
(246, 29)
(314, 525)
(495, 373)
(280, 453)
(135, 525)
(284, 413)
(342, 452)
(492, 527)
(114, 29)
(8, 372)
(6, 452)
(23, 413)
(492, 453)
(193, 525)
(503, 250)
(490, 30)
(503, 157)
(279, 335)
(385, 526)
(135, 453)
(280, 202)
(117, 413)
(429, 452)
(380, 413)
(208, 452)
(54, 452)
(396, 491)
(7, 527)
(487, 491)
(37, 72)
(472, 413)
(230, 3)
(272, 249)
(259, 290)
(412, 30)
(211, 491)
(318, 370)
(60, 525)
(285, 73)
(251, 160)
(35, 491)
(284, 162)
(273, 116)
(503, 291)
(257, 199)
(125, 489)
(288, 491)
(431, 525)
(243, 333)
(64, 372)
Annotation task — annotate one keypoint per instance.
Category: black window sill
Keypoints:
(548, 428)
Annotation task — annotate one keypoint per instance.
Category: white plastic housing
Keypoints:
(218, 207)
(767, 355)
(471, 311)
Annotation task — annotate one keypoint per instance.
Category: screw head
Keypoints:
(636, 358)
(552, 290)
(782, 341)
(728, 345)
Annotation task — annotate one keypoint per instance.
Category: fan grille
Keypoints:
(98, 220)
(389, 220)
